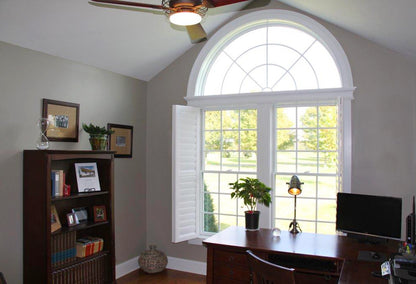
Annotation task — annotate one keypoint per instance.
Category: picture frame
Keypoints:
(100, 213)
(80, 214)
(63, 120)
(87, 177)
(121, 141)
(70, 218)
(55, 223)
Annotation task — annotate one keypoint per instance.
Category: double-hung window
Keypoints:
(269, 97)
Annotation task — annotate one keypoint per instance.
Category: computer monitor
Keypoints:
(371, 216)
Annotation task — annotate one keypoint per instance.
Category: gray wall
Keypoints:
(383, 121)
(25, 78)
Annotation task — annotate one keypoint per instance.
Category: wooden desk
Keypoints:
(317, 258)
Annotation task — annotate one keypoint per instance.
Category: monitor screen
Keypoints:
(377, 216)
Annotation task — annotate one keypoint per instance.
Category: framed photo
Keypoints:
(70, 218)
(121, 141)
(87, 177)
(63, 120)
(80, 214)
(55, 223)
(100, 214)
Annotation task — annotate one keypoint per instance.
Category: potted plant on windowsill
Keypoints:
(252, 192)
(98, 136)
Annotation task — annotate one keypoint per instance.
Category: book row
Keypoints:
(86, 272)
(63, 248)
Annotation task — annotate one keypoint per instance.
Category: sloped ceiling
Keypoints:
(140, 44)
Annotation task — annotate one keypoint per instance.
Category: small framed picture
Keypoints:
(80, 214)
(121, 141)
(100, 214)
(63, 120)
(70, 218)
(87, 177)
(55, 223)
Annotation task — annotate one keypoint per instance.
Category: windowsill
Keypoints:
(198, 241)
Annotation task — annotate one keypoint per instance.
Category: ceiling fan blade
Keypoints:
(219, 3)
(196, 33)
(127, 3)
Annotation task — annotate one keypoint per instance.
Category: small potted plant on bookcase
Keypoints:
(98, 136)
(252, 192)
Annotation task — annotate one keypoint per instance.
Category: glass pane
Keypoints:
(328, 116)
(212, 161)
(327, 210)
(246, 41)
(307, 117)
(286, 139)
(248, 140)
(309, 186)
(284, 207)
(228, 205)
(305, 209)
(326, 228)
(282, 224)
(210, 223)
(212, 120)
(281, 187)
(216, 74)
(328, 139)
(286, 162)
(227, 221)
(248, 162)
(248, 119)
(307, 162)
(304, 75)
(307, 139)
(286, 117)
(307, 227)
(212, 140)
(246, 62)
(211, 203)
(284, 83)
(327, 187)
(292, 37)
(241, 207)
(229, 161)
(225, 180)
(211, 182)
(241, 221)
(328, 162)
(249, 85)
(230, 140)
(230, 119)
(232, 80)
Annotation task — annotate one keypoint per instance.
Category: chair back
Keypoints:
(264, 272)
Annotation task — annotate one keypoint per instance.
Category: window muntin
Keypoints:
(229, 153)
(307, 145)
(270, 57)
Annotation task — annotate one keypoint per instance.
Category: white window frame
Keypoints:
(264, 101)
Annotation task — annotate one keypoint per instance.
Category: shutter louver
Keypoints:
(185, 172)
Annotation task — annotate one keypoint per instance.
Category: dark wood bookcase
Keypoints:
(37, 202)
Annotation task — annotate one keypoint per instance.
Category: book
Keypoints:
(88, 246)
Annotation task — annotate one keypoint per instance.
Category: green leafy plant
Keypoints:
(96, 130)
(252, 192)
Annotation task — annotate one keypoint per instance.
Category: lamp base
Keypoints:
(294, 227)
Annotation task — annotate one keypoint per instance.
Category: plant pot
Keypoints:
(98, 142)
(252, 220)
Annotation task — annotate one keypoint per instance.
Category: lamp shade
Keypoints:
(294, 186)
(186, 18)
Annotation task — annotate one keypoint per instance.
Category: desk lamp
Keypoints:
(294, 189)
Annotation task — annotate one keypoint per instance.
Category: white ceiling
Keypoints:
(141, 44)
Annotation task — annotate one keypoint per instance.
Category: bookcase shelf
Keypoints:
(44, 252)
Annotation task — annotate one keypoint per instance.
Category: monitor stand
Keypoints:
(367, 239)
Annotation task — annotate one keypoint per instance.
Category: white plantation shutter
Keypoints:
(185, 172)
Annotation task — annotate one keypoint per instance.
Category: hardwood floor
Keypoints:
(167, 276)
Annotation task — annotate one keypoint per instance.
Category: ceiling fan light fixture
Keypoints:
(185, 18)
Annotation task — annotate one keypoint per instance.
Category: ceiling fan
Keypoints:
(188, 13)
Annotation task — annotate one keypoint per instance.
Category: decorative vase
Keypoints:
(98, 142)
(252, 220)
(42, 143)
(152, 260)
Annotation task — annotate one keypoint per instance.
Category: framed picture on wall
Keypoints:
(63, 120)
(121, 141)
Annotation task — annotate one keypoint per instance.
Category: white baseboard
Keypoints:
(181, 264)
(186, 265)
(127, 267)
